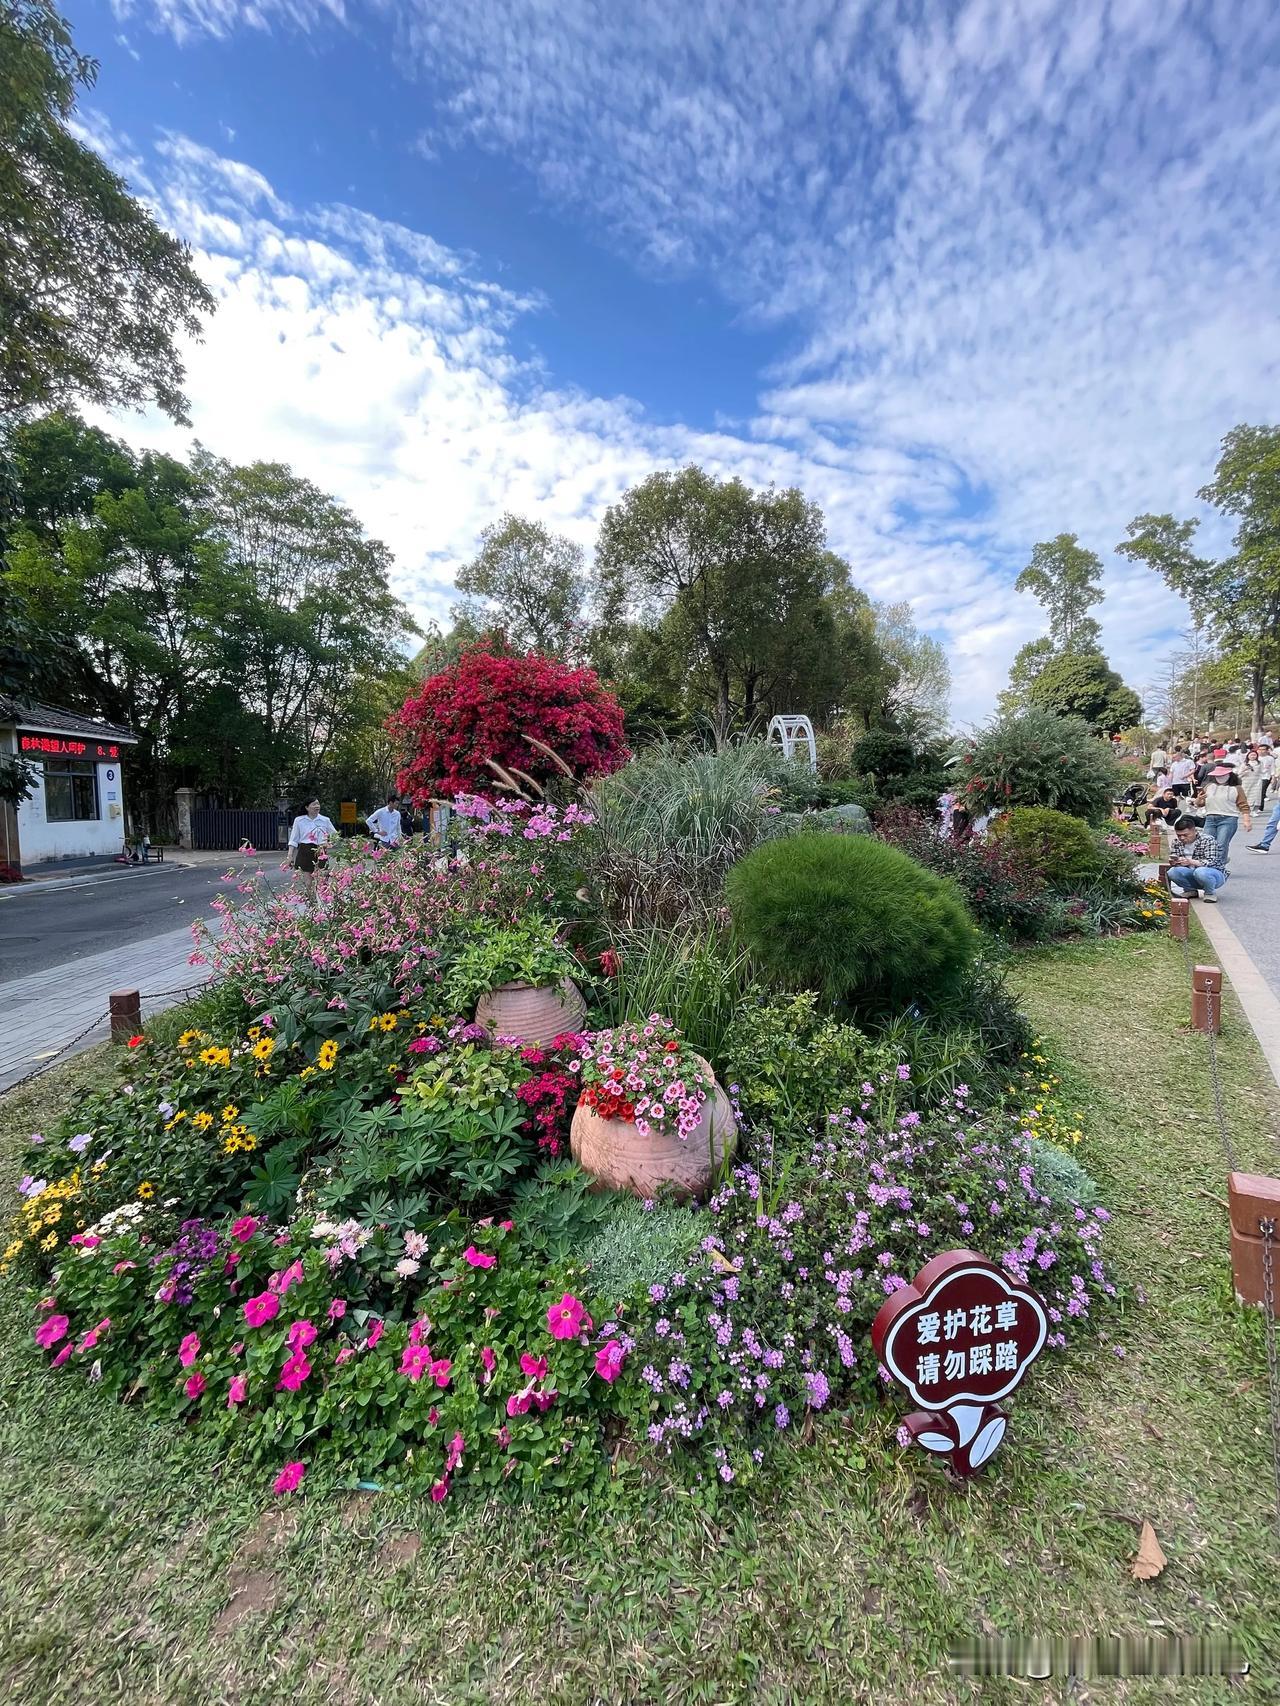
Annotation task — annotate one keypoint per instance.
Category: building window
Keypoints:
(70, 790)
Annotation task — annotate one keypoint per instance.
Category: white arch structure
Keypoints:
(791, 729)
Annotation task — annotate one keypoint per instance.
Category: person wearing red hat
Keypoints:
(1225, 807)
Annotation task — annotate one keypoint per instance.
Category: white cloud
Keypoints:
(1029, 251)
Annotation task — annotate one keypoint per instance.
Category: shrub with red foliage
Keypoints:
(1004, 890)
(485, 705)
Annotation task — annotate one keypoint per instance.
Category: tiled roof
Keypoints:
(49, 719)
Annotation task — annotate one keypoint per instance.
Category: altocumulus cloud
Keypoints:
(1027, 252)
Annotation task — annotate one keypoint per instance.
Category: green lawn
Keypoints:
(130, 1569)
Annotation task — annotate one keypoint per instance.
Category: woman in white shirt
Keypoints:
(310, 834)
(1225, 807)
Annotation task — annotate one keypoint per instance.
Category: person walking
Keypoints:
(1181, 773)
(385, 824)
(308, 838)
(1270, 832)
(1159, 762)
(1195, 863)
(1225, 807)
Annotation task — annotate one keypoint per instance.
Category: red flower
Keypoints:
(136, 1042)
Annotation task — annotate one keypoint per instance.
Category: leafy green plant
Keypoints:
(1062, 1177)
(792, 1064)
(1061, 848)
(1034, 758)
(637, 1246)
(689, 973)
(528, 952)
(851, 918)
(557, 1210)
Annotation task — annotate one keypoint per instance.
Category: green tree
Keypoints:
(736, 577)
(917, 676)
(528, 583)
(1067, 580)
(1240, 594)
(94, 296)
(1026, 666)
(1084, 685)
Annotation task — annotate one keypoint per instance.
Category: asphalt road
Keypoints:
(42, 930)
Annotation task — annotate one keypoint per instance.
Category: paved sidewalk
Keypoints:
(46, 1010)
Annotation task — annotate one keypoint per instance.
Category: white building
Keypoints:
(76, 808)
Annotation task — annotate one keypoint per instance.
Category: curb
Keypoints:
(1261, 1007)
(52, 885)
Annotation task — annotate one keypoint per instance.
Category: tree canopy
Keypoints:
(94, 296)
(527, 583)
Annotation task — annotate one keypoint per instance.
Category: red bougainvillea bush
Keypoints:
(484, 707)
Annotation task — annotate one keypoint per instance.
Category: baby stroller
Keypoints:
(1129, 804)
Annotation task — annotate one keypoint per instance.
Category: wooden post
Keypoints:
(1163, 875)
(126, 1015)
(1178, 911)
(1154, 846)
(1253, 1199)
(1206, 999)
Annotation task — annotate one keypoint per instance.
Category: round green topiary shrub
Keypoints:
(1058, 846)
(852, 918)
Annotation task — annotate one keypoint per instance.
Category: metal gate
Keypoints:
(219, 828)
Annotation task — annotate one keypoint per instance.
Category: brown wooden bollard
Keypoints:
(1154, 847)
(126, 1015)
(1206, 999)
(1164, 873)
(1254, 1199)
(1178, 913)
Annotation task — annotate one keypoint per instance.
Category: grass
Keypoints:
(130, 1569)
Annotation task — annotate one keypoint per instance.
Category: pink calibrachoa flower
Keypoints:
(289, 1478)
(294, 1372)
(477, 1258)
(301, 1334)
(375, 1333)
(533, 1366)
(440, 1371)
(189, 1349)
(195, 1385)
(440, 1489)
(50, 1330)
(238, 1390)
(568, 1318)
(337, 1309)
(62, 1355)
(609, 1360)
(244, 1228)
(416, 1361)
(261, 1309)
(453, 1457)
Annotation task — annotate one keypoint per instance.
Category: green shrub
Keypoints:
(1061, 848)
(792, 1065)
(883, 754)
(1061, 1176)
(1034, 758)
(528, 952)
(636, 1247)
(851, 918)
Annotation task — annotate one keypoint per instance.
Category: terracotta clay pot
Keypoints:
(619, 1158)
(533, 1015)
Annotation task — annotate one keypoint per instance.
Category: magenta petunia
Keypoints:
(50, 1330)
(568, 1318)
(261, 1309)
(189, 1349)
(337, 1309)
(238, 1390)
(62, 1355)
(244, 1228)
(477, 1258)
(609, 1360)
(440, 1371)
(375, 1333)
(416, 1361)
(289, 1478)
(195, 1385)
(301, 1334)
(534, 1367)
(294, 1372)
(440, 1489)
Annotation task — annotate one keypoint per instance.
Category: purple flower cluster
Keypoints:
(197, 1249)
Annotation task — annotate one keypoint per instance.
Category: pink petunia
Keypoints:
(609, 1360)
(238, 1390)
(375, 1333)
(416, 1361)
(195, 1385)
(440, 1489)
(440, 1371)
(544, 1400)
(489, 1361)
(261, 1309)
(189, 1349)
(289, 1478)
(301, 1334)
(344, 1355)
(453, 1457)
(534, 1367)
(84, 1241)
(122, 1267)
(518, 1403)
(568, 1318)
(286, 1277)
(337, 1309)
(50, 1330)
(244, 1229)
(62, 1355)
(294, 1372)
(477, 1258)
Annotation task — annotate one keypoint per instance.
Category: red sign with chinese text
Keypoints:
(959, 1338)
(57, 746)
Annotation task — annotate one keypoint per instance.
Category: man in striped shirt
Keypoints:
(1195, 864)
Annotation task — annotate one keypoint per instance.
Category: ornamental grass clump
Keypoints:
(850, 918)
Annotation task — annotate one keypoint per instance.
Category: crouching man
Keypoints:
(1195, 862)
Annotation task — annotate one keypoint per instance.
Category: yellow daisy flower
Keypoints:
(146, 1190)
(264, 1048)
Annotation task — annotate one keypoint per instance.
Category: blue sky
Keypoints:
(969, 274)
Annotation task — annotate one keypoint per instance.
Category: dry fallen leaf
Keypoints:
(723, 1263)
(1150, 1559)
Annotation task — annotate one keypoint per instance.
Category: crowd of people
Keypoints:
(1201, 793)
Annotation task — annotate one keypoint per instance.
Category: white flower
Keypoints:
(406, 1267)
